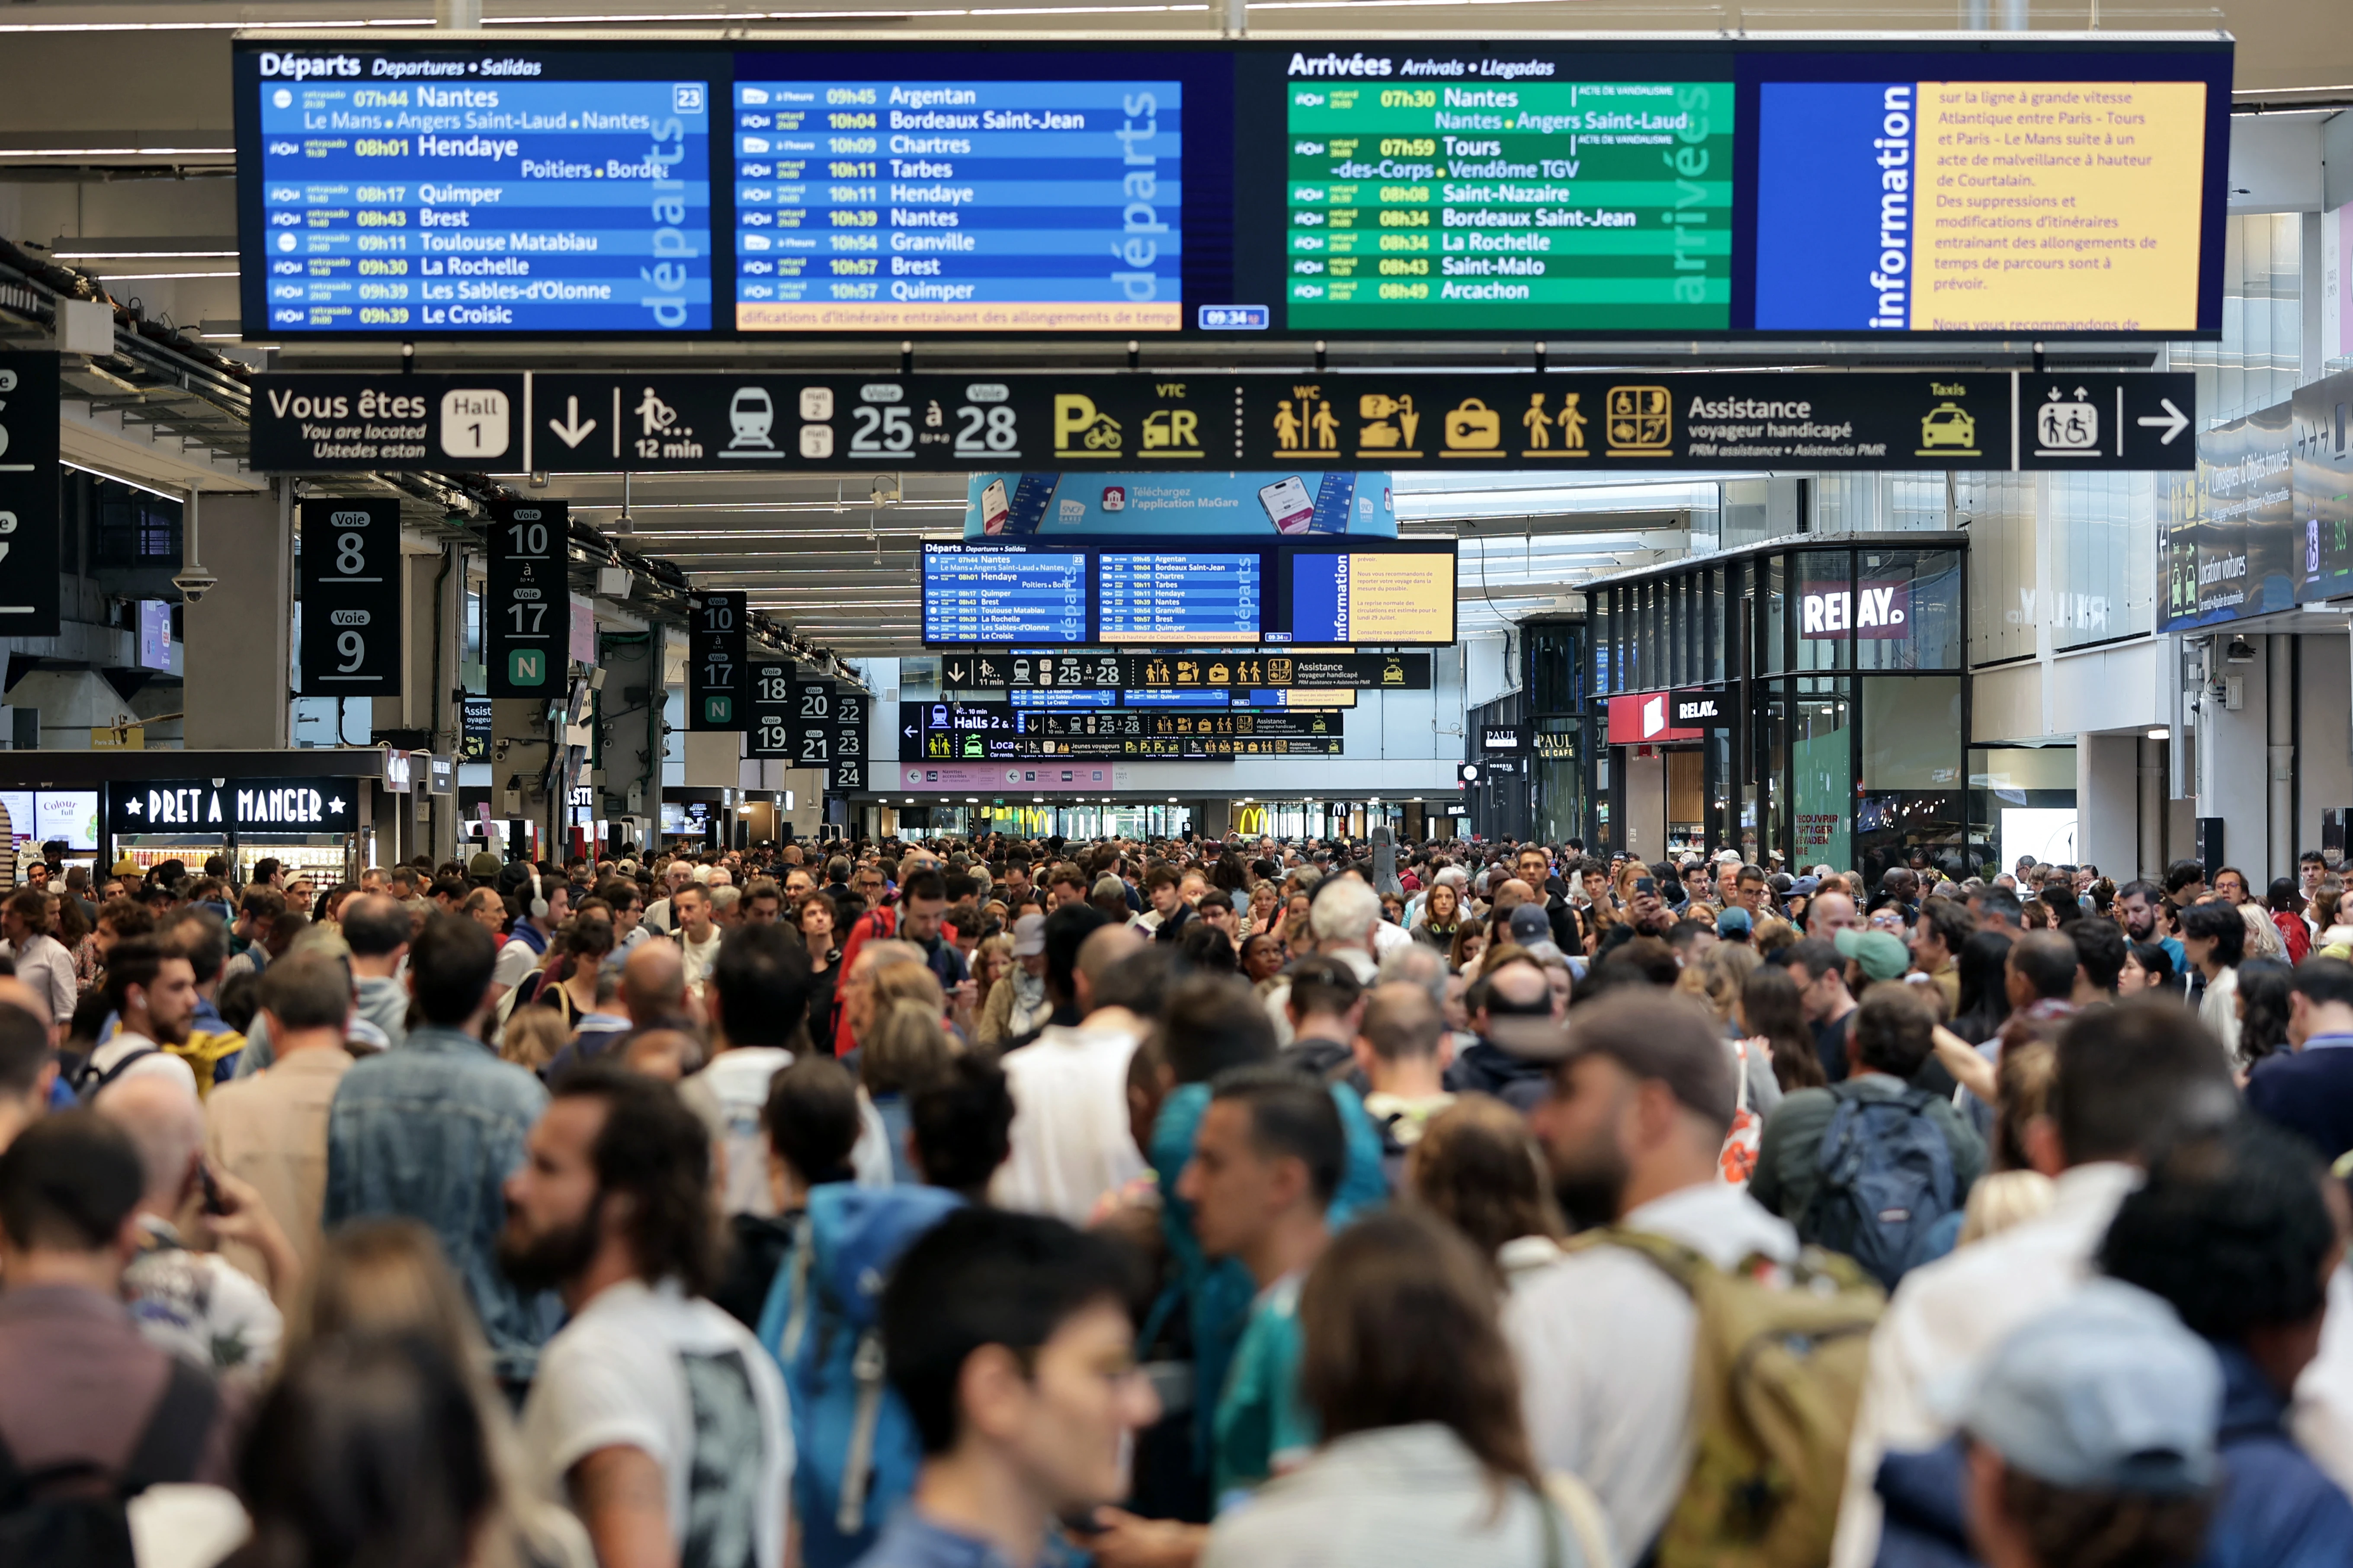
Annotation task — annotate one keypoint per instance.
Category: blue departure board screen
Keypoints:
(430, 192)
(986, 594)
(1174, 599)
(910, 203)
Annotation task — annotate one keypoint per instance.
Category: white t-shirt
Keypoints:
(1071, 1140)
(517, 959)
(155, 1062)
(644, 1367)
(729, 1095)
(700, 956)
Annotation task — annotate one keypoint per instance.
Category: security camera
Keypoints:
(195, 583)
(2241, 651)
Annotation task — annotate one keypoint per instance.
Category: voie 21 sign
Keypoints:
(243, 805)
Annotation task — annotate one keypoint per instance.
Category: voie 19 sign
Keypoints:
(237, 805)
(1872, 610)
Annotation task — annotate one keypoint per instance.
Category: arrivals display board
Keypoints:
(1011, 592)
(971, 731)
(1387, 187)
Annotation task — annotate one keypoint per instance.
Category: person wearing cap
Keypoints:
(1733, 925)
(1872, 956)
(1017, 1003)
(1643, 1095)
(483, 869)
(2129, 1081)
(2088, 1435)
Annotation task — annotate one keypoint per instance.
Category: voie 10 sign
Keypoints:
(1396, 187)
(527, 618)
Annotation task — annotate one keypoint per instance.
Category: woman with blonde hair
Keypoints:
(380, 1277)
(904, 1048)
(1717, 976)
(533, 1036)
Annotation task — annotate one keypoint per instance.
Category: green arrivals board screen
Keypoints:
(1522, 205)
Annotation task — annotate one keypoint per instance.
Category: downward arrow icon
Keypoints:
(571, 430)
(2173, 421)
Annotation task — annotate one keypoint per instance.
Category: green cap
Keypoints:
(1881, 954)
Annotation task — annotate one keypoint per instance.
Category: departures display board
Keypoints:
(1395, 188)
(1008, 594)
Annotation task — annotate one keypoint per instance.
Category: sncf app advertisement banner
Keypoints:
(1680, 188)
(1168, 504)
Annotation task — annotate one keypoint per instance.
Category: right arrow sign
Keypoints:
(2067, 419)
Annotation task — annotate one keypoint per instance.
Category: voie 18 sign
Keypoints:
(234, 805)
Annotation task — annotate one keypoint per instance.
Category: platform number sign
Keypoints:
(813, 724)
(527, 623)
(30, 522)
(768, 729)
(351, 597)
(716, 662)
(849, 711)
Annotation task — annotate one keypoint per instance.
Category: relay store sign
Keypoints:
(243, 805)
(1874, 610)
(1709, 707)
(1647, 719)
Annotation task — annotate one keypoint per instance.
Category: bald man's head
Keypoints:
(166, 1126)
(653, 981)
(1102, 948)
(1518, 990)
(1512, 895)
(1829, 914)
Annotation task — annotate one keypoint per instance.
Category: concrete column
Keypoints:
(628, 719)
(519, 759)
(2324, 758)
(2233, 766)
(2279, 704)
(2153, 812)
(237, 652)
(2107, 786)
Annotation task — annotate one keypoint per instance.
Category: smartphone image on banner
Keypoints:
(994, 507)
(1288, 505)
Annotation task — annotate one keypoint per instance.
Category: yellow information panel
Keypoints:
(2059, 207)
(1402, 598)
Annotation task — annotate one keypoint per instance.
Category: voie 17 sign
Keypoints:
(30, 516)
(527, 621)
(715, 662)
(233, 805)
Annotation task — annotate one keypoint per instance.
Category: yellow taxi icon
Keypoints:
(1948, 424)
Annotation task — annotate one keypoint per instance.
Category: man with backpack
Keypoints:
(2130, 1081)
(91, 1413)
(1872, 1167)
(151, 991)
(1612, 1339)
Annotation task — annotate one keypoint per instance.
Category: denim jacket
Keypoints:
(430, 1132)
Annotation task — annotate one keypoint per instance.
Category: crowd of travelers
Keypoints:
(995, 1202)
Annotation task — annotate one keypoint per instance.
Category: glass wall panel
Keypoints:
(1907, 609)
(1822, 598)
(1769, 726)
(1821, 772)
(2021, 802)
(1909, 811)
(1772, 614)
(2106, 586)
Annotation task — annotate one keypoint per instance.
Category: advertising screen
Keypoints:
(1218, 593)
(1668, 187)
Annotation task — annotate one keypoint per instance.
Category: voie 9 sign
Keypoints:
(1872, 610)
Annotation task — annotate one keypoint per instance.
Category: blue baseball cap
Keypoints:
(1732, 920)
(2106, 1390)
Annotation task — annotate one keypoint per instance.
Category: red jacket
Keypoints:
(875, 925)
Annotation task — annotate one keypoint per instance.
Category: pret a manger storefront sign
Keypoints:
(233, 805)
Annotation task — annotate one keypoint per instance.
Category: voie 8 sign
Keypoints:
(351, 597)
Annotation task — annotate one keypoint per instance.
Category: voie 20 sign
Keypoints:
(1872, 610)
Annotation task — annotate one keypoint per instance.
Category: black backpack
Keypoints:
(73, 1515)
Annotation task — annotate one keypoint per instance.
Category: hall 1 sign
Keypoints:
(238, 805)
(1706, 708)
(527, 623)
